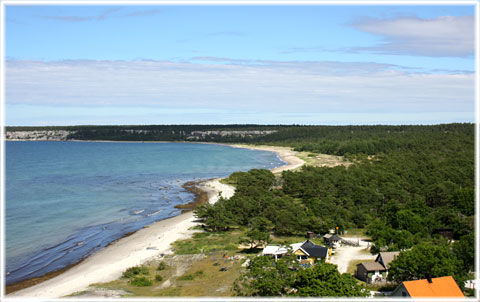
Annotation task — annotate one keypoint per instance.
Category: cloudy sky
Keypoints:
(311, 64)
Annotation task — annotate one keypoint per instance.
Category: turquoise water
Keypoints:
(67, 200)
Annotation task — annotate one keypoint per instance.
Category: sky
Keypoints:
(244, 64)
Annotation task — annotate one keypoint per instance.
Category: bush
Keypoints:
(158, 278)
(135, 271)
(161, 266)
(140, 281)
(190, 277)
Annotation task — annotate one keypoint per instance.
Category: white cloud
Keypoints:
(443, 36)
(262, 90)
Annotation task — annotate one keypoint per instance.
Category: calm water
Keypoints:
(67, 200)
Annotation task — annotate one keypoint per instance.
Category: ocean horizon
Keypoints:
(65, 201)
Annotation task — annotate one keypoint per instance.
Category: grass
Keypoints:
(140, 281)
(190, 277)
(206, 242)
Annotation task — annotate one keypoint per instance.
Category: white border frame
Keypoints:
(234, 2)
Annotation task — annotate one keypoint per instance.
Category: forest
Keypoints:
(406, 182)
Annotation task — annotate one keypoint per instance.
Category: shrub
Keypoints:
(191, 276)
(158, 278)
(140, 281)
(161, 266)
(135, 271)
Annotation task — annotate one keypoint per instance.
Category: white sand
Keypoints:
(144, 245)
(285, 153)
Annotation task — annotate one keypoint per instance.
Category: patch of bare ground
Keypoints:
(323, 160)
(345, 254)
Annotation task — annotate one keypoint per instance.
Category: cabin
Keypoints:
(276, 251)
(370, 272)
(443, 287)
(378, 270)
(331, 238)
(307, 252)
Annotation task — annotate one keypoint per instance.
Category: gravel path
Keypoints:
(346, 253)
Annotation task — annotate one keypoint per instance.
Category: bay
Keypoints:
(67, 200)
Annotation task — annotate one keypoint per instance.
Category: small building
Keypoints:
(331, 238)
(443, 287)
(276, 251)
(307, 252)
(370, 271)
(378, 270)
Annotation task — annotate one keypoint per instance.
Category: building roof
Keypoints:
(274, 250)
(308, 243)
(318, 251)
(311, 249)
(372, 266)
(387, 257)
(440, 287)
(335, 238)
(296, 246)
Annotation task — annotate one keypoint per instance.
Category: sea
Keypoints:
(65, 201)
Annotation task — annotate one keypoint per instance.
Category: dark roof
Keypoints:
(372, 266)
(335, 237)
(318, 251)
(308, 243)
(314, 250)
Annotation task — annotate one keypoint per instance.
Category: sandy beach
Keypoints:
(285, 153)
(142, 246)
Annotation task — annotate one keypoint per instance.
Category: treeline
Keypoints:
(154, 132)
(337, 140)
(341, 140)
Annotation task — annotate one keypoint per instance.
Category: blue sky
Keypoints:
(164, 64)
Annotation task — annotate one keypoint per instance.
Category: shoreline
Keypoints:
(145, 244)
(201, 196)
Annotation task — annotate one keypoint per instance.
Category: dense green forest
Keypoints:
(406, 183)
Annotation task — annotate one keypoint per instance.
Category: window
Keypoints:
(302, 257)
(404, 294)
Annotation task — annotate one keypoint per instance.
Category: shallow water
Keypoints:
(67, 200)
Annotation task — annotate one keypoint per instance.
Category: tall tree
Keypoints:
(324, 280)
(426, 260)
(266, 277)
